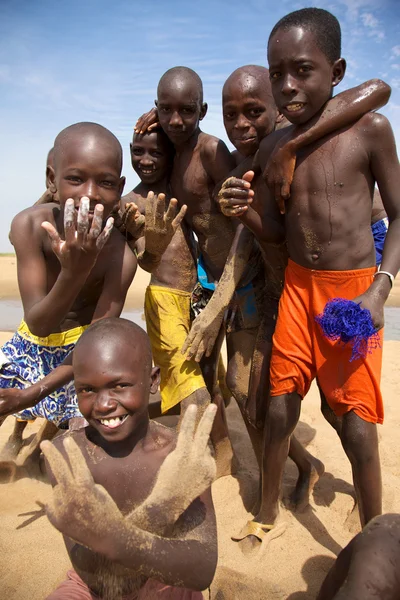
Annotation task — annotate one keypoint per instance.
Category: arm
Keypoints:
(86, 513)
(341, 111)
(44, 309)
(385, 169)
(206, 326)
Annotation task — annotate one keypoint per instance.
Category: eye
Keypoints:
(163, 109)
(188, 110)
(228, 116)
(74, 179)
(274, 76)
(256, 112)
(156, 154)
(86, 389)
(137, 151)
(305, 69)
(108, 184)
(121, 386)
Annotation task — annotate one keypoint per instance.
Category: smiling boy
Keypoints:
(71, 272)
(331, 253)
(137, 515)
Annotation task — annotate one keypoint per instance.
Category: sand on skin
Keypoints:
(292, 567)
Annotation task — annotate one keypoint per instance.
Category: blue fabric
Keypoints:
(202, 275)
(24, 362)
(379, 230)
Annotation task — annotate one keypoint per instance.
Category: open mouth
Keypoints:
(147, 171)
(113, 422)
(294, 107)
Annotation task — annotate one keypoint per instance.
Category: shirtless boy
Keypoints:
(167, 300)
(65, 285)
(137, 515)
(331, 251)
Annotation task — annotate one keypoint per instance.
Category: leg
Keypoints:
(328, 413)
(310, 470)
(14, 442)
(360, 442)
(29, 458)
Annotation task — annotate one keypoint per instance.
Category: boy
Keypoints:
(331, 254)
(65, 285)
(167, 300)
(148, 522)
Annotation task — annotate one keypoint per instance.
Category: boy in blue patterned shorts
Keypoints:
(73, 267)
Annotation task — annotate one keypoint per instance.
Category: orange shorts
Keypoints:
(300, 351)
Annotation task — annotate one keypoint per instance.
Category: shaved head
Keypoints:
(181, 77)
(249, 78)
(119, 336)
(86, 135)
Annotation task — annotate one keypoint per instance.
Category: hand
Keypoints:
(203, 334)
(147, 122)
(235, 195)
(161, 225)
(133, 221)
(190, 469)
(82, 245)
(375, 306)
(279, 172)
(13, 400)
(79, 508)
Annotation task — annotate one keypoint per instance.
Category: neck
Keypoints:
(126, 446)
(189, 144)
(160, 187)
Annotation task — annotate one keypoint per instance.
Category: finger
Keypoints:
(103, 237)
(171, 211)
(159, 211)
(53, 234)
(83, 218)
(203, 431)
(149, 211)
(78, 465)
(97, 222)
(188, 342)
(285, 191)
(210, 345)
(188, 425)
(179, 217)
(236, 194)
(200, 351)
(69, 221)
(248, 176)
(235, 182)
(153, 126)
(281, 204)
(58, 465)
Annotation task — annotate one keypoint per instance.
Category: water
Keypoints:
(11, 315)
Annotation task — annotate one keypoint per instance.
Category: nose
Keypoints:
(146, 160)
(92, 190)
(105, 403)
(242, 122)
(289, 85)
(176, 120)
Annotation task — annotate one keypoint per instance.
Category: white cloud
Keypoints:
(396, 50)
(369, 20)
(395, 66)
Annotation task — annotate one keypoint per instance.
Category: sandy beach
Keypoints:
(292, 567)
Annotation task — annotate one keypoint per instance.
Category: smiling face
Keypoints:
(301, 75)
(151, 156)
(88, 165)
(179, 108)
(113, 379)
(249, 111)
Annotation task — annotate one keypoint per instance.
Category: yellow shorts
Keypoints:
(167, 313)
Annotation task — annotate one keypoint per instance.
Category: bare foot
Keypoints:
(299, 499)
(11, 448)
(255, 535)
(352, 522)
(225, 459)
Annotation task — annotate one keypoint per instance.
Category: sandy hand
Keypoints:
(12, 400)
(279, 172)
(190, 469)
(203, 334)
(235, 195)
(161, 224)
(79, 508)
(147, 122)
(133, 221)
(82, 244)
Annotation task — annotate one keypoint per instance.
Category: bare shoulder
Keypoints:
(36, 214)
(160, 438)
(133, 197)
(210, 145)
(373, 126)
(268, 144)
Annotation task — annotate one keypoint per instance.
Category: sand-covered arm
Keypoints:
(86, 513)
(341, 111)
(207, 324)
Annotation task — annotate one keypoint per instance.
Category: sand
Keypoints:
(292, 567)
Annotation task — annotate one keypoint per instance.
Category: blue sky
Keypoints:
(100, 60)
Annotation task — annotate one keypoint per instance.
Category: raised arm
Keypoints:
(44, 309)
(339, 112)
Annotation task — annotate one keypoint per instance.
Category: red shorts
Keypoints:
(74, 588)
(301, 352)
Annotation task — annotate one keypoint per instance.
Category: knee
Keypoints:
(282, 416)
(359, 438)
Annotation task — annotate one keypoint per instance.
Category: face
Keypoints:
(150, 157)
(249, 113)
(88, 167)
(113, 388)
(301, 76)
(179, 110)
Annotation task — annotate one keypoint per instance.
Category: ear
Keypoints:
(203, 111)
(51, 179)
(155, 103)
(121, 185)
(281, 121)
(338, 71)
(130, 147)
(155, 380)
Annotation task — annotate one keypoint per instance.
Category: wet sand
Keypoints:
(292, 567)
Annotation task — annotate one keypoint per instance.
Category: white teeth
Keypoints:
(294, 107)
(114, 422)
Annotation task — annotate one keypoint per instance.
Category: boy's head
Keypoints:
(151, 155)
(248, 108)
(180, 103)
(304, 62)
(87, 162)
(113, 377)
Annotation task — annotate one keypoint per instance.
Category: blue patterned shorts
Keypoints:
(26, 359)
